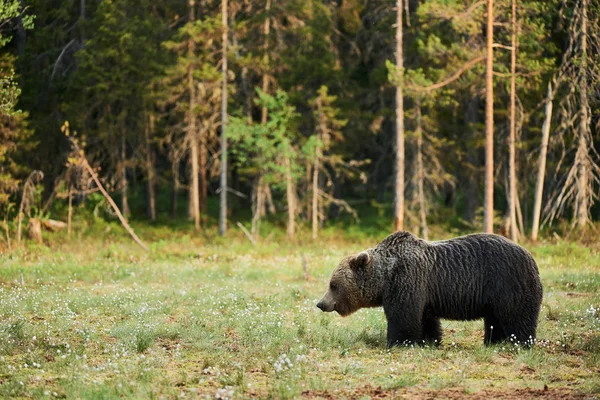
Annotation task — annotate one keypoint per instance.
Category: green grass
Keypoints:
(204, 316)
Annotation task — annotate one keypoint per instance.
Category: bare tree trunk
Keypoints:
(269, 203)
(488, 210)
(258, 198)
(539, 186)
(203, 184)
(265, 77)
(399, 167)
(70, 213)
(309, 181)
(421, 173)
(512, 175)
(315, 194)
(316, 169)
(291, 199)
(195, 198)
(223, 194)
(175, 192)
(193, 137)
(124, 198)
(584, 169)
(151, 208)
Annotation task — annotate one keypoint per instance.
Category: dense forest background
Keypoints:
(311, 96)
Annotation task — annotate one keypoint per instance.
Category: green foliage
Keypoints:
(265, 147)
(10, 10)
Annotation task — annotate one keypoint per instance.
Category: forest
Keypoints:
(304, 114)
(248, 148)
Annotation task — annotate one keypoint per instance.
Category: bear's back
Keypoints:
(471, 273)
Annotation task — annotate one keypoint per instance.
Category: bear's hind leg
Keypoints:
(432, 330)
(493, 331)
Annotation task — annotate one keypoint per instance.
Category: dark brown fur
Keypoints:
(418, 282)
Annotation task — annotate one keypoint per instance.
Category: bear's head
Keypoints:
(346, 292)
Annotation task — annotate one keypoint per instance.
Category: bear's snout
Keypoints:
(326, 305)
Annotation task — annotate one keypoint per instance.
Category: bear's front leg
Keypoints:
(404, 326)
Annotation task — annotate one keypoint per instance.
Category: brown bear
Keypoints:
(418, 282)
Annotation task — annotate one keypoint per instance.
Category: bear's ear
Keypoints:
(360, 261)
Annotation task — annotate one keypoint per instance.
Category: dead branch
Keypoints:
(451, 79)
(90, 170)
(248, 235)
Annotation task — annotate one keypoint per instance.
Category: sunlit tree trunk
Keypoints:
(584, 168)
(291, 198)
(399, 167)
(203, 164)
(316, 169)
(421, 174)
(512, 175)
(315, 193)
(192, 133)
(488, 211)
(539, 186)
(223, 194)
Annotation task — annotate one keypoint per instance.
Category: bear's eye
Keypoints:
(333, 286)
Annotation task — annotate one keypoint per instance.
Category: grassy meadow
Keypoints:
(204, 317)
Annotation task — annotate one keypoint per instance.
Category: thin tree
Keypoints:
(583, 197)
(512, 175)
(291, 198)
(223, 194)
(192, 137)
(578, 77)
(123, 171)
(321, 130)
(399, 167)
(488, 211)
(421, 173)
(539, 186)
(150, 171)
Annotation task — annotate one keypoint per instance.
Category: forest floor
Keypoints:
(198, 318)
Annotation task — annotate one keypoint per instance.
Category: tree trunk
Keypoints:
(512, 175)
(70, 212)
(309, 180)
(265, 77)
(421, 174)
(223, 194)
(539, 187)
(399, 167)
(315, 192)
(192, 133)
(34, 230)
(258, 199)
(488, 211)
(291, 199)
(584, 168)
(124, 195)
(175, 192)
(316, 168)
(203, 165)
(194, 190)
(151, 205)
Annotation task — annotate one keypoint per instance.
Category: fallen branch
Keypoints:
(248, 235)
(53, 225)
(89, 169)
